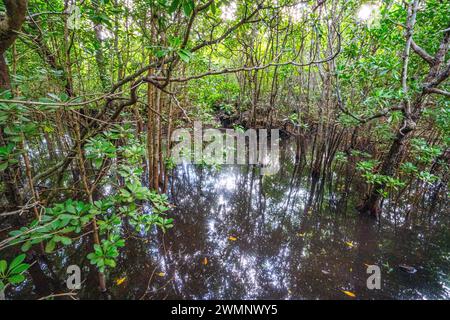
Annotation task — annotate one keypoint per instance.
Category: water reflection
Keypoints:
(240, 235)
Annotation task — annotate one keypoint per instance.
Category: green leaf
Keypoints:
(188, 6)
(71, 209)
(3, 266)
(16, 279)
(98, 249)
(50, 246)
(3, 166)
(26, 246)
(174, 6)
(65, 241)
(18, 260)
(54, 97)
(184, 55)
(91, 256)
(110, 262)
(20, 268)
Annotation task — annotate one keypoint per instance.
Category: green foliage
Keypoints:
(59, 224)
(55, 226)
(12, 274)
(8, 156)
(98, 149)
(186, 5)
(408, 168)
(423, 151)
(105, 254)
(340, 157)
(371, 177)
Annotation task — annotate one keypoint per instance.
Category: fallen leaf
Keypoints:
(349, 293)
(120, 281)
(161, 274)
(325, 272)
(349, 244)
(231, 238)
(205, 261)
(301, 234)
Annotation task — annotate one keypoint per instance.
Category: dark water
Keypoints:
(239, 235)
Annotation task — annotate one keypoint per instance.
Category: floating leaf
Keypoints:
(161, 274)
(231, 238)
(205, 261)
(349, 293)
(120, 281)
(349, 244)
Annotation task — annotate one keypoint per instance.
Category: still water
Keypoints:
(240, 235)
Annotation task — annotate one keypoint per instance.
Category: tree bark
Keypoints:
(15, 17)
(388, 168)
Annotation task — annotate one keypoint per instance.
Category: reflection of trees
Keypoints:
(291, 242)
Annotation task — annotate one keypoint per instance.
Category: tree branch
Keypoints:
(422, 53)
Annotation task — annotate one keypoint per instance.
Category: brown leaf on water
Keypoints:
(205, 261)
(349, 293)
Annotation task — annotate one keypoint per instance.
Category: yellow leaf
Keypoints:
(205, 261)
(120, 281)
(301, 234)
(349, 244)
(349, 293)
(161, 274)
(231, 238)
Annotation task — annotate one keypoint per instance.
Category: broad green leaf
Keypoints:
(16, 279)
(174, 6)
(17, 260)
(20, 268)
(50, 246)
(3, 266)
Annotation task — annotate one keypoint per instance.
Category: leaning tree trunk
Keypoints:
(388, 168)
